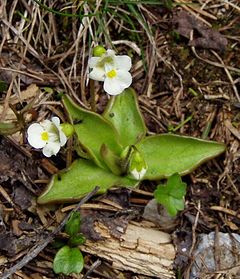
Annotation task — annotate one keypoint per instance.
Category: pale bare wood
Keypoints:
(142, 249)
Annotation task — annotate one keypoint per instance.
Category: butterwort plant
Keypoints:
(115, 149)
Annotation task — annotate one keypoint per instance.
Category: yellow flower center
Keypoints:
(111, 74)
(45, 136)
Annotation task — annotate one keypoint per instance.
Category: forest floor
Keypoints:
(186, 73)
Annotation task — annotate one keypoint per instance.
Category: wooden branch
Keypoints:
(141, 249)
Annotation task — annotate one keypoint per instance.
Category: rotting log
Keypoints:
(141, 249)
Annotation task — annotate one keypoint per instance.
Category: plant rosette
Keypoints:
(103, 139)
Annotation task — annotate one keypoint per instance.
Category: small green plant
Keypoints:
(114, 147)
(171, 195)
(69, 258)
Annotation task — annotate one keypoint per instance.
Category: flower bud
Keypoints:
(132, 162)
(137, 165)
(98, 51)
(67, 129)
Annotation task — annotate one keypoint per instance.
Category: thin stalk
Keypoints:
(92, 95)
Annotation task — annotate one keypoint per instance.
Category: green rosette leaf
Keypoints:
(80, 179)
(167, 154)
(92, 131)
(123, 112)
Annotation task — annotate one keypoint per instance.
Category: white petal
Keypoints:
(53, 136)
(62, 138)
(124, 78)
(56, 121)
(97, 73)
(115, 86)
(34, 135)
(46, 124)
(110, 52)
(112, 86)
(109, 67)
(92, 62)
(51, 148)
(123, 62)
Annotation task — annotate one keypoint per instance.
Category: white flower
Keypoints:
(113, 70)
(47, 135)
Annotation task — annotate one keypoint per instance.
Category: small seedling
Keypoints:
(69, 258)
(172, 194)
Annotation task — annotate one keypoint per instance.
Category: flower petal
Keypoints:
(53, 136)
(62, 138)
(124, 78)
(46, 124)
(56, 121)
(109, 67)
(123, 62)
(110, 53)
(51, 148)
(112, 86)
(92, 62)
(34, 138)
(97, 73)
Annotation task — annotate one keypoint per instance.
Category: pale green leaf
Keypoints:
(80, 179)
(68, 260)
(123, 112)
(92, 131)
(111, 160)
(167, 154)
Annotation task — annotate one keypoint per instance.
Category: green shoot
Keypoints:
(69, 258)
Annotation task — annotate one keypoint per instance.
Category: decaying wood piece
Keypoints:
(141, 249)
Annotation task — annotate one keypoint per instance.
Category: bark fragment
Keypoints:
(141, 249)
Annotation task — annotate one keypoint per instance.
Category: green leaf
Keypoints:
(167, 154)
(92, 131)
(123, 112)
(77, 240)
(172, 194)
(68, 260)
(80, 179)
(111, 160)
(72, 226)
(9, 128)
